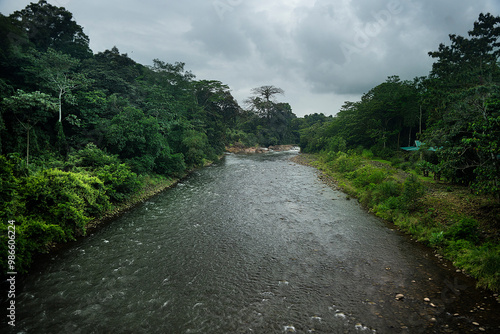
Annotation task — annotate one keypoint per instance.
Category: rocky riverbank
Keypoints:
(237, 148)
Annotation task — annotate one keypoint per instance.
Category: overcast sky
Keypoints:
(320, 52)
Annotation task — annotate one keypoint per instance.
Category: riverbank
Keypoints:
(459, 226)
(152, 187)
(240, 148)
(51, 208)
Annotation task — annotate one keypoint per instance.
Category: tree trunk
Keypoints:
(28, 146)
(420, 121)
(60, 104)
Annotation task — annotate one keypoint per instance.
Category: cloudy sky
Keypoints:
(320, 52)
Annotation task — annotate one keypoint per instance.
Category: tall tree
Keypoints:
(49, 26)
(268, 92)
(263, 100)
(59, 73)
(464, 123)
(30, 109)
(272, 120)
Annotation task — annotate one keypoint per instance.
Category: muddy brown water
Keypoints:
(253, 244)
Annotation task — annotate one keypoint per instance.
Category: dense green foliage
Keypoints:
(455, 110)
(80, 133)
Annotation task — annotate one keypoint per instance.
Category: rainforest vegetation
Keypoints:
(81, 133)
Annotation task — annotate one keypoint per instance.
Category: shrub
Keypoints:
(406, 166)
(345, 163)
(170, 164)
(387, 209)
(336, 144)
(23, 257)
(413, 190)
(386, 190)
(465, 229)
(239, 137)
(67, 199)
(143, 164)
(194, 145)
(91, 157)
(118, 180)
(367, 154)
(367, 175)
(8, 186)
(482, 262)
(437, 239)
(425, 167)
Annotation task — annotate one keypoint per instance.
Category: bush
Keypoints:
(67, 199)
(425, 167)
(406, 166)
(384, 153)
(8, 186)
(367, 175)
(413, 190)
(345, 163)
(437, 239)
(170, 164)
(23, 257)
(367, 154)
(388, 208)
(118, 180)
(141, 164)
(194, 145)
(386, 190)
(336, 144)
(90, 157)
(241, 137)
(465, 229)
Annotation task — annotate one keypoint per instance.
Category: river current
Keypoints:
(252, 244)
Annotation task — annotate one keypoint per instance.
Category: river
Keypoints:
(252, 244)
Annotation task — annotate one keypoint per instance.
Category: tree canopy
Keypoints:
(454, 111)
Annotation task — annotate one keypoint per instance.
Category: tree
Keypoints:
(268, 92)
(58, 72)
(30, 109)
(385, 115)
(218, 110)
(135, 138)
(114, 73)
(464, 122)
(263, 100)
(48, 26)
(271, 121)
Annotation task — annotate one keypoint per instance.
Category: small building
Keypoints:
(418, 146)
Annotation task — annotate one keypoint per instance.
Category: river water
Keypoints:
(253, 244)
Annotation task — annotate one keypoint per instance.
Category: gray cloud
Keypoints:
(320, 52)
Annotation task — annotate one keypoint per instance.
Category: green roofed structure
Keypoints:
(418, 146)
